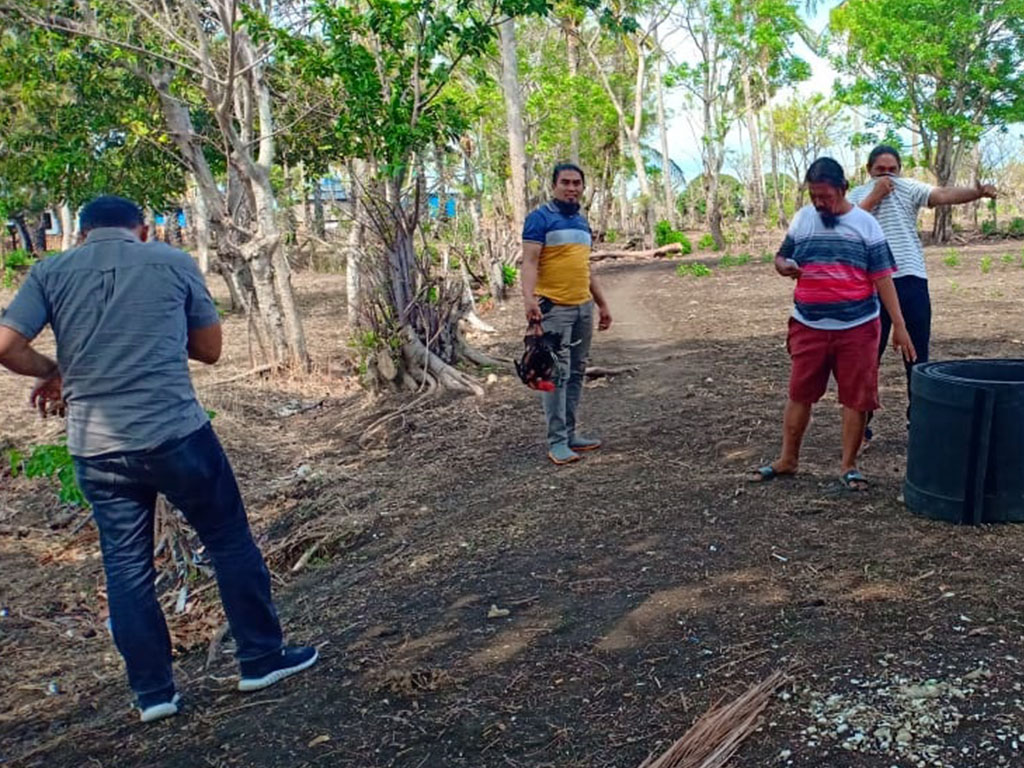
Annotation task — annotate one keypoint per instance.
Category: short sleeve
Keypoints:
(880, 259)
(535, 228)
(29, 312)
(919, 192)
(200, 311)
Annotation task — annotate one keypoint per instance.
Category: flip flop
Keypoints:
(768, 472)
(853, 480)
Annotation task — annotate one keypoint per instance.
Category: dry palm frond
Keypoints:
(718, 733)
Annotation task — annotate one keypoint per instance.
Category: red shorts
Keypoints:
(851, 355)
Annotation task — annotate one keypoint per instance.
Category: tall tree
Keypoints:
(951, 70)
(514, 118)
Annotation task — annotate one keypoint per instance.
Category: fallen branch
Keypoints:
(598, 371)
(665, 250)
(718, 733)
(257, 371)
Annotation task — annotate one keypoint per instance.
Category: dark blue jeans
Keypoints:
(194, 474)
(916, 306)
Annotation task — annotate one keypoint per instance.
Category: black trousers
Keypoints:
(916, 306)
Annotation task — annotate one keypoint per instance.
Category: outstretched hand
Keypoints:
(47, 396)
(986, 190)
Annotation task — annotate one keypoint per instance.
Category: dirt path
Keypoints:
(641, 584)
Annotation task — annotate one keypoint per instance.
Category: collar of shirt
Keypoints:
(101, 234)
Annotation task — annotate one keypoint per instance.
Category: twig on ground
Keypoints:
(257, 371)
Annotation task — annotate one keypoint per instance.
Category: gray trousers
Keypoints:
(575, 324)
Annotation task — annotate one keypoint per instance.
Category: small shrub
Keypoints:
(954, 286)
(988, 227)
(665, 235)
(1009, 258)
(693, 270)
(509, 274)
(51, 461)
(767, 257)
(14, 263)
(1016, 227)
(952, 258)
(706, 242)
(986, 264)
(611, 236)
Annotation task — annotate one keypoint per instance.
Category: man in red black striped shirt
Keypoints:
(842, 264)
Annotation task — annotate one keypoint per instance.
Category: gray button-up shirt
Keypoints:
(121, 310)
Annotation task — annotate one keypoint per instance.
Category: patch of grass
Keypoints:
(1009, 258)
(734, 261)
(706, 242)
(986, 264)
(954, 286)
(988, 227)
(767, 257)
(693, 270)
(13, 264)
(1016, 227)
(952, 258)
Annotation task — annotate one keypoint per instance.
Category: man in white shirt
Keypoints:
(895, 202)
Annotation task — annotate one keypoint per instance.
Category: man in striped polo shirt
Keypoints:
(559, 293)
(895, 201)
(841, 262)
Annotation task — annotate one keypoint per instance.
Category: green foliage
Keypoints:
(13, 264)
(664, 235)
(611, 236)
(707, 242)
(989, 228)
(1016, 227)
(986, 264)
(952, 258)
(767, 257)
(949, 69)
(53, 462)
(1008, 258)
(509, 275)
(693, 270)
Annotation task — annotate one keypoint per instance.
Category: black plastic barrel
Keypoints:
(965, 458)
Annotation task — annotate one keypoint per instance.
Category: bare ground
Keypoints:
(641, 584)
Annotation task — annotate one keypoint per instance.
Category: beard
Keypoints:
(567, 208)
(828, 219)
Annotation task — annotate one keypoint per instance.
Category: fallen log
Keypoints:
(665, 250)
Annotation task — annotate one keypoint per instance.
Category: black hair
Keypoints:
(110, 211)
(566, 167)
(884, 149)
(825, 170)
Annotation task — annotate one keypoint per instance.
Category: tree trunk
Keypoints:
(671, 213)
(199, 223)
(319, 226)
(172, 228)
(943, 168)
(356, 243)
(24, 235)
(150, 219)
(756, 174)
(975, 180)
(573, 55)
(623, 206)
(514, 118)
(39, 235)
(67, 226)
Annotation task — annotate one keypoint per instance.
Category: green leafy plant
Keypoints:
(952, 258)
(954, 286)
(509, 274)
(14, 263)
(1008, 258)
(734, 261)
(767, 257)
(52, 461)
(986, 264)
(706, 242)
(693, 270)
(665, 235)
(611, 236)
(988, 227)
(1016, 227)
